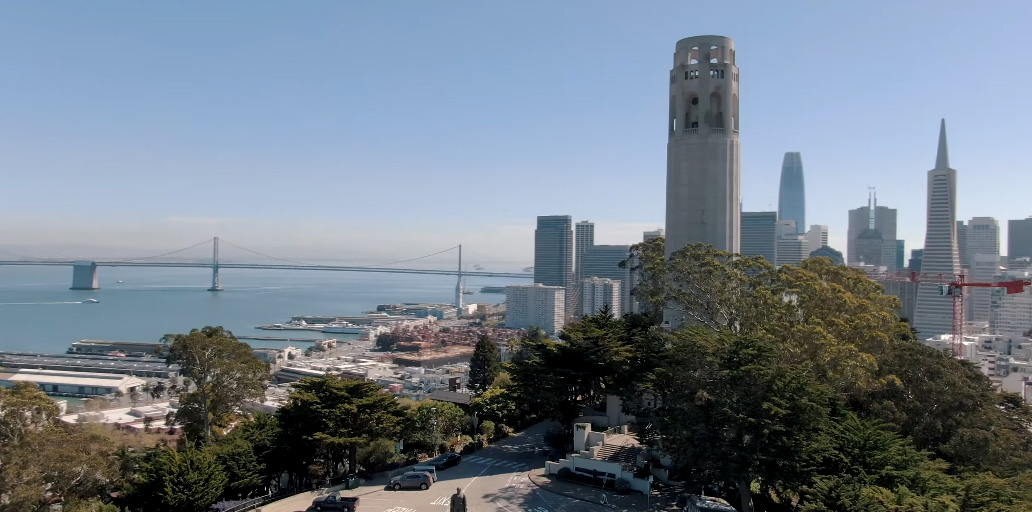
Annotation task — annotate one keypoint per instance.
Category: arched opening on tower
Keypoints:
(734, 112)
(673, 115)
(691, 116)
(693, 55)
(715, 114)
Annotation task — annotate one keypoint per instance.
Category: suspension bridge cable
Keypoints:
(252, 251)
(414, 259)
(198, 244)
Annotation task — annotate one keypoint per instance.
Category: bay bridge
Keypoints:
(84, 272)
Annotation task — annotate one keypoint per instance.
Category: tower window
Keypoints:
(695, 101)
(686, 74)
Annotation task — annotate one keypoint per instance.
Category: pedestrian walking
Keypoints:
(458, 501)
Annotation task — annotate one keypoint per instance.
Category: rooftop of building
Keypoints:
(70, 378)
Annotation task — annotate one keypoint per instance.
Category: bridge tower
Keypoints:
(84, 276)
(458, 285)
(215, 285)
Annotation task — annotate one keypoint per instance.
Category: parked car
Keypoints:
(428, 469)
(412, 480)
(445, 461)
(334, 501)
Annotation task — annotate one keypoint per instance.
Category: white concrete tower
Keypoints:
(703, 194)
(933, 314)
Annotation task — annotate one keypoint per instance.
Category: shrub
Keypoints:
(487, 429)
(622, 485)
(504, 431)
(564, 473)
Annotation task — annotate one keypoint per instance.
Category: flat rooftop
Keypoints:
(69, 378)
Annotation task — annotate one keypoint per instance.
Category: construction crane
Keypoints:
(953, 286)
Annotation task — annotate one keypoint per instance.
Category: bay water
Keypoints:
(38, 313)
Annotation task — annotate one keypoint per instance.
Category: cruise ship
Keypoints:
(343, 328)
(294, 325)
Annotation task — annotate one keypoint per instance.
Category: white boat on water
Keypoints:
(296, 325)
(90, 301)
(343, 328)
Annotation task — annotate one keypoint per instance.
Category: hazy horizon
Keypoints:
(373, 132)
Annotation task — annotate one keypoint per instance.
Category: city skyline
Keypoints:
(117, 112)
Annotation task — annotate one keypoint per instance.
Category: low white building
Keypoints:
(69, 383)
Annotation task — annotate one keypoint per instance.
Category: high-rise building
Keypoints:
(816, 237)
(962, 253)
(881, 219)
(792, 193)
(759, 235)
(597, 293)
(1011, 314)
(553, 252)
(535, 305)
(791, 249)
(651, 235)
(933, 314)
(703, 190)
(604, 261)
(984, 269)
(981, 263)
(786, 227)
(914, 264)
(584, 237)
(901, 254)
(983, 237)
(1019, 238)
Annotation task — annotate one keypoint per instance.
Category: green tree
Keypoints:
(729, 413)
(244, 471)
(56, 462)
(262, 433)
(180, 481)
(500, 405)
(558, 379)
(225, 372)
(44, 460)
(23, 409)
(647, 264)
(434, 423)
(325, 421)
(485, 365)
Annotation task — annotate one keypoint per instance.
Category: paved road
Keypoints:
(494, 480)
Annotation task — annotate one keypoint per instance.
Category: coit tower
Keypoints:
(702, 191)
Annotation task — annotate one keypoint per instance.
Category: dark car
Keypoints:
(445, 461)
(335, 501)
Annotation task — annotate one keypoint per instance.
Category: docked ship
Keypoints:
(493, 289)
(293, 325)
(343, 328)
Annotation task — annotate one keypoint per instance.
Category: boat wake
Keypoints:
(37, 303)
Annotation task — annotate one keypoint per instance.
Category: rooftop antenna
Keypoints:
(872, 205)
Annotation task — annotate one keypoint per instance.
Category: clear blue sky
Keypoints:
(379, 129)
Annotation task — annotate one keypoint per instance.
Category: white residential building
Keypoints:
(535, 305)
(597, 293)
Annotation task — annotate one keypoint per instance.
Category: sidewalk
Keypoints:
(632, 502)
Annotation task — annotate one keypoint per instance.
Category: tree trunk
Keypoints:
(353, 459)
(745, 494)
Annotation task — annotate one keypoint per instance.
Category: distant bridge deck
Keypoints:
(272, 266)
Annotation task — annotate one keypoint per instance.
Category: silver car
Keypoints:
(412, 480)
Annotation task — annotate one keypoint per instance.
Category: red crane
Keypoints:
(953, 286)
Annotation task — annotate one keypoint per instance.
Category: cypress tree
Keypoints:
(485, 365)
